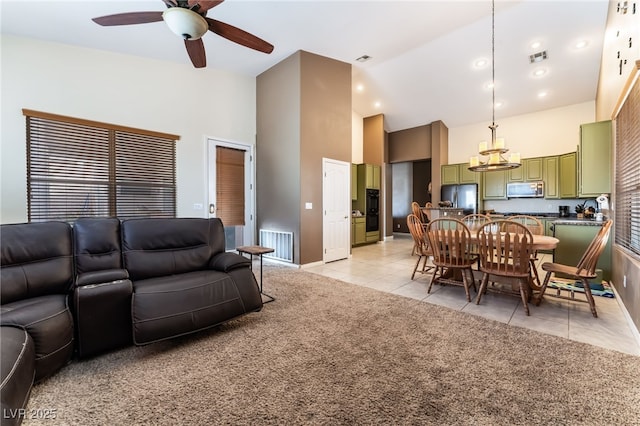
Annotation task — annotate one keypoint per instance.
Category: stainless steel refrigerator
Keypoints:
(464, 196)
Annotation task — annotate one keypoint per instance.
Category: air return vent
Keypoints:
(281, 242)
(538, 57)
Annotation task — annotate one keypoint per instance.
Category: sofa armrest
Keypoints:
(100, 277)
(229, 261)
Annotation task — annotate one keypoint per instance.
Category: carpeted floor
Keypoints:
(329, 353)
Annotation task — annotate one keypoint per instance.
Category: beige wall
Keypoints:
(549, 132)
(294, 135)
(410, 144)
(125, 90)
(373, 137)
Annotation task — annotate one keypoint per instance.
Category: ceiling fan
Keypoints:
(187, 19)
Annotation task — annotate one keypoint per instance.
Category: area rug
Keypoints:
(331, 353)
(570, 287)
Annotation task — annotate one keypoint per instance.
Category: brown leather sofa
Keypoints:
(105, 284)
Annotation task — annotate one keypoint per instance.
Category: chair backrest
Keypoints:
(417, 232)
(449, 240)
(505, 253)
(533, 224)
(475, 221)
(416, 210)
(428, 206)
(590, 257)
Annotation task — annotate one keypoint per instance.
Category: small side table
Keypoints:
(258, 251)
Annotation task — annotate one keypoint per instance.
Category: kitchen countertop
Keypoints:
(579, 222)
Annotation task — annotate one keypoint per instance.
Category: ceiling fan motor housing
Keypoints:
(185, 23)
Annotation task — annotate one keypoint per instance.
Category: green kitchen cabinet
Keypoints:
(550, 175)
(372, 236)
(354, 182)
(358, 231)
(369, 175)
(452, 174)
(449, 174)
(567, 182)
(594, 159)
(531, 170)
(574, 240)
(494, 185)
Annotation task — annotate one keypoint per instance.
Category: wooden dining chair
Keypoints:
(421, 245)
(505, 257)
(474, 222)
(450, 241)
(426, 210)
(536, 227)
(586, 268)
(417, 211)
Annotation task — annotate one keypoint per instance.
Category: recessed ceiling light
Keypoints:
(536, 45)
(377, 104)
(489, 85)
(481, 63)
(581, 44)
(539, 72)
(360, 88)
(498, 104)
(363, 58)
(543, 94)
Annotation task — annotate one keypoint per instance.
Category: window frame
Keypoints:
(120, 159)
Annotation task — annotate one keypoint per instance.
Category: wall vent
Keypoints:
(281, 242)
(538, 57)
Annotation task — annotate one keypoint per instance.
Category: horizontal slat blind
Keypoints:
(230, 185)
(145, 176)
(82, 170)
(628, 172)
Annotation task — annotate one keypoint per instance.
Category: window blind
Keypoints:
(230, 186)
(80, 168)
(628, 172)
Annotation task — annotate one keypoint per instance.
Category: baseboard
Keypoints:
(632, 325)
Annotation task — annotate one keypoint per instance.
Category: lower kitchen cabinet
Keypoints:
(574, 240)
(358, 231)
(372, 236)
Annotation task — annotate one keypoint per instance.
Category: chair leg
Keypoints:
(538, 299)
(587, 292)
(465, 281)
(523, 295)
(483, 286)
(416, 267)
(433, 278)
(535, 272)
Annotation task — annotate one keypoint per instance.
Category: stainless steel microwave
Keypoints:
(525, 190)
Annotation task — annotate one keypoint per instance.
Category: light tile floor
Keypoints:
(387, 266)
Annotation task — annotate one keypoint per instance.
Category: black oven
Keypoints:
(372, 213)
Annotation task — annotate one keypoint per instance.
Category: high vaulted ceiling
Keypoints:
(422, 52)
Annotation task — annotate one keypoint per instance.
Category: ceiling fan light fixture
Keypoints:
(185, 23)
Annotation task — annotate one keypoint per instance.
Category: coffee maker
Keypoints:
(563, 211)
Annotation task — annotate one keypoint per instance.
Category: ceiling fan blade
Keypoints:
(239, 36)
(204, 5)
(128, 18)
(195, 49)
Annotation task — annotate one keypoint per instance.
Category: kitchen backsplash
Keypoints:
(533, 205)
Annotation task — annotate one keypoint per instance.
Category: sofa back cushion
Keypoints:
(97, 244)
(36, 259)
(157, 247)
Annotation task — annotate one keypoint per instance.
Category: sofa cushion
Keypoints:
(97, 244)
(48, 321)
(18, 370)
(36, 260)
(160, 247)
(170, 306)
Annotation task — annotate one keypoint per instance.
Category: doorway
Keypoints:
(336, 202)
(230, 185)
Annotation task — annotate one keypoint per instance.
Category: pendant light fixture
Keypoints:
(496, 150)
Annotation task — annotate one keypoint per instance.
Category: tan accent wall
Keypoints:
(373, 140)
(410, 144)
(439, 156)
(303, 116)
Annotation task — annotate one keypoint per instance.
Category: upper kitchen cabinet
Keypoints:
(370, 175)
(494, 185)
(458, 173)
(568, 176)
(594, 159)
(530, 171)
(550, 176)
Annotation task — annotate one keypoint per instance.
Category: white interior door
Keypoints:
(336, 202)
(235, 235)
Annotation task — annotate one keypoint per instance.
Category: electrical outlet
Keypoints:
(624, 281)
(398, 226)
